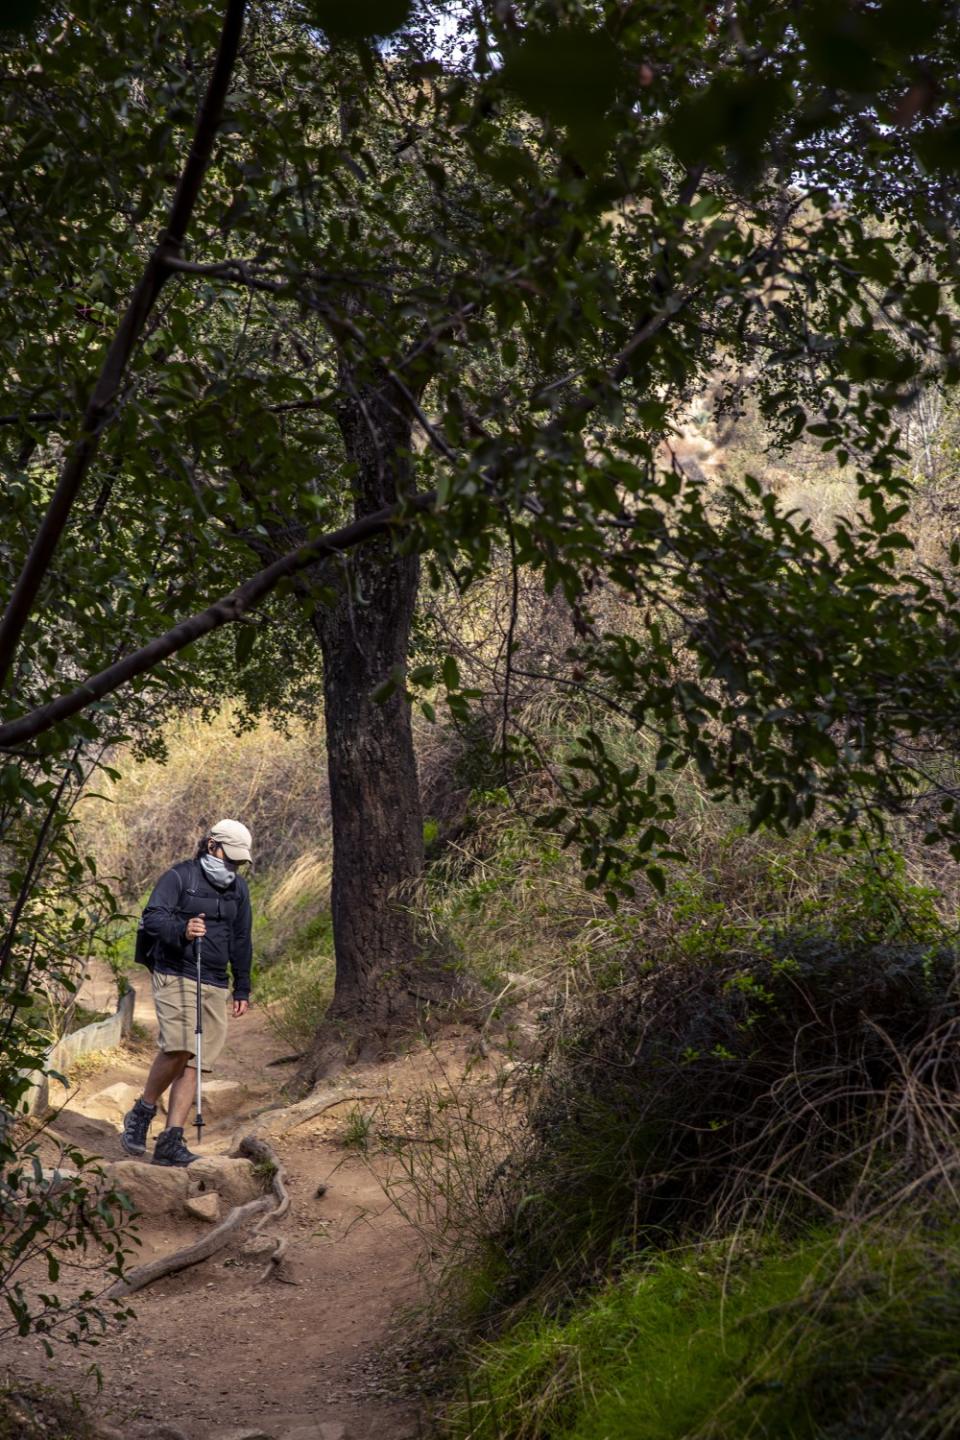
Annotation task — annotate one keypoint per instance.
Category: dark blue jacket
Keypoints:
(185, 891)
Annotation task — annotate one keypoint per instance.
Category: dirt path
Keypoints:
(214, 1351)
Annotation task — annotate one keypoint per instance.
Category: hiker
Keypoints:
(206, 899)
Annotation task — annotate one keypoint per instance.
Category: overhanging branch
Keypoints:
(232, 607)
(224, 611)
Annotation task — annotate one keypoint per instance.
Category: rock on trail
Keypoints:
(220, 1099)
(162, 1190)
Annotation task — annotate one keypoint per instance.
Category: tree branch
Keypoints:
(238, 272)
(224, 611)
(232, 607)
(100, 404)
(34, 418)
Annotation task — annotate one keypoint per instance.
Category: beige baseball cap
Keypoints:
(235, 839)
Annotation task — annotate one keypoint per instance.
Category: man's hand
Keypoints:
(196, 928)
(240, 1007)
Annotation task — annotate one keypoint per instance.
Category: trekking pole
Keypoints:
(199, 1055)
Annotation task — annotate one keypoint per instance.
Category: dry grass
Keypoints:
(294, 944)
(304, 882)
(94, 1062)
(156, 813)
(449, 1174)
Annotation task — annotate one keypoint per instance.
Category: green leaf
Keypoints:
(735, 113)
(569, 74)
(925, 299)
(385, 689)
(451, 673)
(360, 19)
(244, 641)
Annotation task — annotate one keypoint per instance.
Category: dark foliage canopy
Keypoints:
(542, 228)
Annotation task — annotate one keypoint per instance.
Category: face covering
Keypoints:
(216, 871)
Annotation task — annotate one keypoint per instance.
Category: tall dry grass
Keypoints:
(157, 811)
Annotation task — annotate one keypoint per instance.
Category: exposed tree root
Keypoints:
(262, 1154)
(288, 1117)
(330, 1053)
(418, 998)
(269, 1206)
(192, 1254)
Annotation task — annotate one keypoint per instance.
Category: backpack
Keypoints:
(148, 947)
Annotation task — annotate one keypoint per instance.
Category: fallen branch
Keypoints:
(260, 1153)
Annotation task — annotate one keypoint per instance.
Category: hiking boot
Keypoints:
(170, 1148)
(136, 1123)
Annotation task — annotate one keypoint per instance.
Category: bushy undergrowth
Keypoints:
(713, 1204)
(510, 899)
(806, 1081)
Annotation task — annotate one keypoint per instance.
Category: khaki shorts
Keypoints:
(175, 998)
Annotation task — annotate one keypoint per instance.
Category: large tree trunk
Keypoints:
(374, 788)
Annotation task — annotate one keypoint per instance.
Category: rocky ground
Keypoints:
(217, 1352)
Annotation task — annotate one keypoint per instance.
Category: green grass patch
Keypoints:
(54, 1022)
(294, 967)
(800, 1341)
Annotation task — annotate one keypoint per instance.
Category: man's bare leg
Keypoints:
(167, 1068)
(182, 1095)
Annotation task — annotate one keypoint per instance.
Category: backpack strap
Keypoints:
(194, 877)
(212, 906)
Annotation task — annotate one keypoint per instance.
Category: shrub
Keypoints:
(810, 1079)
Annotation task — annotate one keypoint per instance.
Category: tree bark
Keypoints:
(374, 787)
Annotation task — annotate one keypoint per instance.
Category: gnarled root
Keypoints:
(262, 1154)
(272, 1207)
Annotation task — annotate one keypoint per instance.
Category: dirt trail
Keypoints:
(214, 1351)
